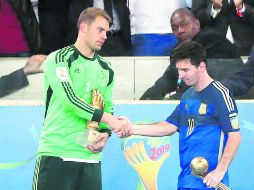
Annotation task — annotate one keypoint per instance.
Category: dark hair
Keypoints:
(189, 50)
(89, 15)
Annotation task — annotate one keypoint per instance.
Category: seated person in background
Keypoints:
(18, 79)
(233, 18)
(219, 51)
(19, 29)
(242, 81)
(150, 32)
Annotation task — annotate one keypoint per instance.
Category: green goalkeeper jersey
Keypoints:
(69, 78)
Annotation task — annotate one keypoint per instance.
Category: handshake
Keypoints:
(119, 125)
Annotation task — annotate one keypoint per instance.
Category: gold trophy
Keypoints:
(199, 168)
(90, 135)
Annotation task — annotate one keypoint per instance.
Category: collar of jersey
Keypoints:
(78, 52)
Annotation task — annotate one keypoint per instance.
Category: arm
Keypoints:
(12, 82)
(119, 126)
(104, 128)
(230, 150)
(213, 178)
(240, 82)
(228, 120)
(58, 79)
(108, 105)
(18, 79)
(33, 65)
(165, 84)
(157, 129)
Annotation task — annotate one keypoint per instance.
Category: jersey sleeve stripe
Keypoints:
(225, 93)
(228, 96)
(68, 49)
(75, 100)
(58, 54)
(84, 104)
(62, 53)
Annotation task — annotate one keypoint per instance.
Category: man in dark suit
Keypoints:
(242, 81)
(223, 60)
(18, 79)
(59, 24)
(222, 14)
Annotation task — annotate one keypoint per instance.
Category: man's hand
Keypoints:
(34, 63)
(120, 126)
(127, 131)
(213, 178)
(217, 4)
(238, 4)
(101, 141)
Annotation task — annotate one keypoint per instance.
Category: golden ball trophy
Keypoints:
(199, 168)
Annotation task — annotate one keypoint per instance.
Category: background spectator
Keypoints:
(150, 30)
(219, 50)
(242, 82)
(19, 29)
(229, 16)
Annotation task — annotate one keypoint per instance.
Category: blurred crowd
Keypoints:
(139, 28)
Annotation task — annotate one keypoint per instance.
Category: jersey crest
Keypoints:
(202, 109)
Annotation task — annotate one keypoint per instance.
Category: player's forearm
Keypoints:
(230, 150)
(112, 121)
(157, 129)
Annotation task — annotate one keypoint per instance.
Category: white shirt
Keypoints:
(152, 16)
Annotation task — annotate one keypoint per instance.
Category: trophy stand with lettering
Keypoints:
(199, 168)
(90, 135)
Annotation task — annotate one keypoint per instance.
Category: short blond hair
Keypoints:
(89, 15)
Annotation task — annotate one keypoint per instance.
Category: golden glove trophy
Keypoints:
(199, 168)
(90, 135)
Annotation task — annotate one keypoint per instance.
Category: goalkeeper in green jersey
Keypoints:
(72, 74)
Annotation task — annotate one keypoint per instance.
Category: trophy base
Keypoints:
(89, 136)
